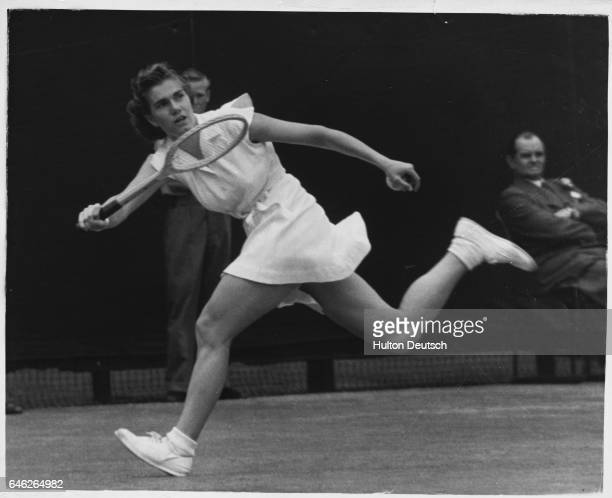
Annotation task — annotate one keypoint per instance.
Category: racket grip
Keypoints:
(109, 209)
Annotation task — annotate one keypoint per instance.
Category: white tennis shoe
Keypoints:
(469, 235)
(158, 451)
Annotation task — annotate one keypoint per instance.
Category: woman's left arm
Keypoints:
(400, 175)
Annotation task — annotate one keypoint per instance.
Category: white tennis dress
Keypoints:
(289, 237)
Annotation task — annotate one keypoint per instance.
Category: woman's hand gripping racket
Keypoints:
(198, 147)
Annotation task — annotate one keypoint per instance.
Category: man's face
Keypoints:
(170, 108)
(200, 95)
(529, 159)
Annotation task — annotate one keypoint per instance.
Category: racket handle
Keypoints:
(109, 209)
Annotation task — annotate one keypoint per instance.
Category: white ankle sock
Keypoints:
(467, 252)
(182, 441)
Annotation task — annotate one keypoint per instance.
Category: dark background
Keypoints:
(442, 91)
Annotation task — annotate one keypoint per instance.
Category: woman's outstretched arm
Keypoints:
(88, 217)
(400, 175)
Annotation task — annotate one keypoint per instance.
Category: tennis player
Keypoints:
(292, 252)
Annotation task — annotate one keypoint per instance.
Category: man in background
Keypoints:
(200, 85)
(559, 225)
(196, 251)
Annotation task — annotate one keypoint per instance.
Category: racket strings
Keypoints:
(208, 144)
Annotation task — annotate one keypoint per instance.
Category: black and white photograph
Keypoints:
(225, 225)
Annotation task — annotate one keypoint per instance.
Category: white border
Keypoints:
(591, 7)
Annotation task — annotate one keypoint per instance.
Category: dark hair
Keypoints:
(511, 145)
(192, 74)
(138, 106)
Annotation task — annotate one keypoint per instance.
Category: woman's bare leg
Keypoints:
(432, 290)
(234, 305)
(344, 301)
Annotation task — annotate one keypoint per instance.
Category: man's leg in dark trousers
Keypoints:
(188, 241)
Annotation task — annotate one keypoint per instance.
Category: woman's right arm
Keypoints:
(88, 217)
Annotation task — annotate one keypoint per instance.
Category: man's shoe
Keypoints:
(12, 408)
(175, 396)
(157, 451)
(493, 249)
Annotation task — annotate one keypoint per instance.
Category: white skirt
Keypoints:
(290, 240)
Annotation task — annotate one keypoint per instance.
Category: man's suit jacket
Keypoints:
(563, 248)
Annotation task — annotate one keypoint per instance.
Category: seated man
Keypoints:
(562, 227)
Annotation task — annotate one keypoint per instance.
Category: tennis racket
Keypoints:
(202, 145)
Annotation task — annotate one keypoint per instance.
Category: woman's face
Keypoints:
(170, 108)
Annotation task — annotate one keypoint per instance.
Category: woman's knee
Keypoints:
(210, 330)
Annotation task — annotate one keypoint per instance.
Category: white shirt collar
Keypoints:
(538, 182)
